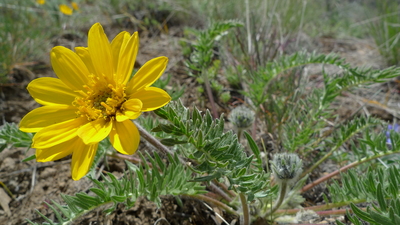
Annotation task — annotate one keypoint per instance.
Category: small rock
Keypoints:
(8, 164)
(48, 172)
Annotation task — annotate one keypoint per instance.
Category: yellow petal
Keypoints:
(147, 74)
(152, 98)
(65, 9)
(125, 137)
(41, 2)
(46, 116)
(127, 59)
(100, 51)
(83, 53)
(57, 133)
(58, 151)
(95, 131)
(120, 40)
(82, 159)
(49, 91)
(131, 109)
(69, 68)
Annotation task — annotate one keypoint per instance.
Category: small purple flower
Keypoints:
(395, 127)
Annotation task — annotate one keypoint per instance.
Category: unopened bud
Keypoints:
(286, 167)
(242, 117)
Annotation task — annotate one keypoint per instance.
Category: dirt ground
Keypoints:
(33, 183)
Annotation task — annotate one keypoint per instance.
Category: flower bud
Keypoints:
(286, 167)
(242, 117)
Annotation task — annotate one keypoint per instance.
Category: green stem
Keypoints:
(245, 208)
(282, 194)
(239, 134)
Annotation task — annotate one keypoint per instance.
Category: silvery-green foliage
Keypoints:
(203, 49)
(378, 187)
(11, 135)
(151, 182)
(213, 151)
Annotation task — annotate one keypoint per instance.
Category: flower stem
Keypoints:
(214, 188)
(155, 142)
(245, 220)
(282, 193)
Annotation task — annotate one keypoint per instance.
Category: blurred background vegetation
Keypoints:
(29, 29)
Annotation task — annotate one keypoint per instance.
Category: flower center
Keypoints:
(102, 100)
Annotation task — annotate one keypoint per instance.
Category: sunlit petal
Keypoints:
(83, 53)
(127, 59)
(95, 131)
(57, 133)
(49, 91)
(82, 159)
(131, 110)
(147, 74)
(100, 51)
(58, 151)
(116, 44)
(46, 116)
(152, 98)
(125, 137)
(69, 67)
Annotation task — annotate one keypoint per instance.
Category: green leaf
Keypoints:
(118, 198)
(360, 213)
(380, 196)
(29, 158)
(380, 219)
(253, 147)
(172, 141)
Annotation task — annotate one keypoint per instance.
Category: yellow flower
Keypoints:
(75, 5)
(65, 9)
(40, 2)
(92, 99)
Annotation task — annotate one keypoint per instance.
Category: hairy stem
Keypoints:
(343, 169)
(282, 193)
(245, 220)
(214, 188)
(155, 142)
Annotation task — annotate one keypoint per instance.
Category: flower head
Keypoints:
(40, 2)
(92, 98)
(286, 167)
(395, 128)
(65, 9)
(74, 5)
(242, 117)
